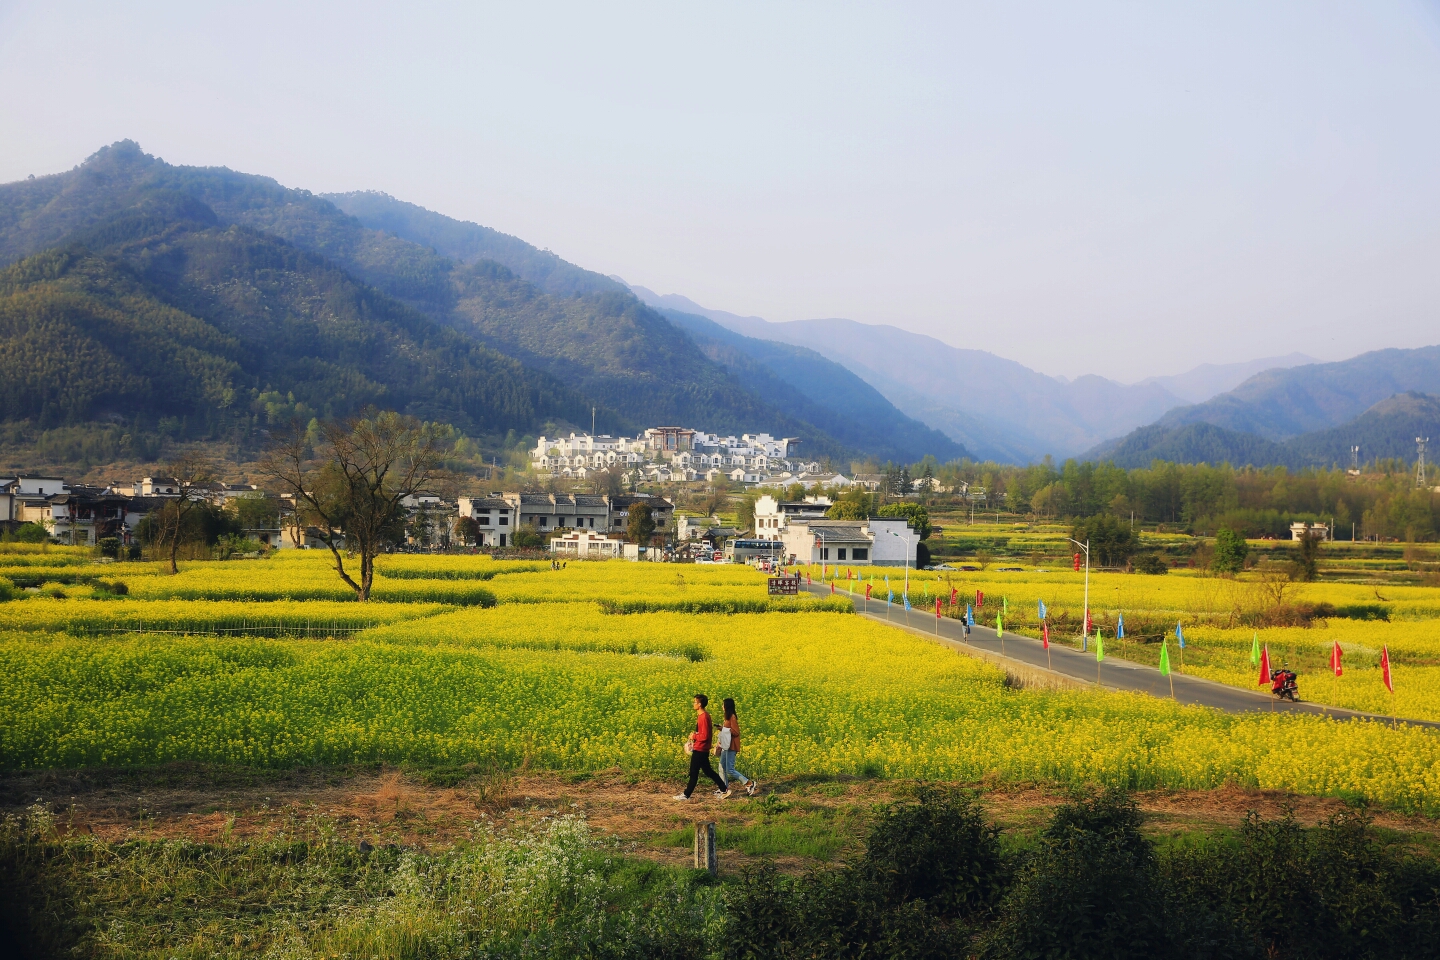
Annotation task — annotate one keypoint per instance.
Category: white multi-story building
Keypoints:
(773, 516)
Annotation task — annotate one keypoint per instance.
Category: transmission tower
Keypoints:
(1355, 461)
(1420, 461)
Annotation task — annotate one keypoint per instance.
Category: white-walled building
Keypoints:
(772, 515)
(586, 545)
(878, 541)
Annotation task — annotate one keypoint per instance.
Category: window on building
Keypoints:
(502, 539)
(504, 522)
(842, 554)
(824, 553)
(860, 553)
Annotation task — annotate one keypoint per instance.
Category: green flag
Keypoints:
(1255, 651)
(1165, 657)
(999, 625)
(1099, 646)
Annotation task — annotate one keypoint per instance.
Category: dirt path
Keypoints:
(389, 807)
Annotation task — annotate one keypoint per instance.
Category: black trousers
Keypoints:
(700, 763)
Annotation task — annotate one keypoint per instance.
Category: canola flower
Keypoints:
(821, 692)
(45, 614)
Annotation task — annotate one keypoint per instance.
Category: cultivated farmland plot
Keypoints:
(591, 667)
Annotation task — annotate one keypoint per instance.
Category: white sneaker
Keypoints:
(681, 797)
(751, 787)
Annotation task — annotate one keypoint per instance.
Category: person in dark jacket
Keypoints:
(698, 746)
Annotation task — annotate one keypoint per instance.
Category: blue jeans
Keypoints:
(727, 768)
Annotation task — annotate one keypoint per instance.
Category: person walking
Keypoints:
(728, 745)
(698, 746)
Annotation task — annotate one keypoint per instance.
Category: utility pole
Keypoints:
(1420, 461)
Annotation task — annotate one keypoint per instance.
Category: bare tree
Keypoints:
(352, 486)
(191, 475)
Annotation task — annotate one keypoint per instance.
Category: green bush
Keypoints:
(1150, 563)
(28, 533)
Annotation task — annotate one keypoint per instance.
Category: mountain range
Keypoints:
(203, 302)
(997, 408)
(1387, 430)
(134, 288)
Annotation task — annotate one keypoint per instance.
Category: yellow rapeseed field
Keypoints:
(552, 676)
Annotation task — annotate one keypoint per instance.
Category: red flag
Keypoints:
(808, 581)
(979, 598)
(1335, 659)
(832, 586)
(1089, 623)
(1045, 634)
(1264, 666)
(1385, 668)
(867, 590)
(954, 596)
(937, 608)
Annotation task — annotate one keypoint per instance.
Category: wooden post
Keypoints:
(705, 858)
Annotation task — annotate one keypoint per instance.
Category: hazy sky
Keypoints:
(1116, 188)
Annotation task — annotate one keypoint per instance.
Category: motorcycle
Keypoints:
(1283, 686)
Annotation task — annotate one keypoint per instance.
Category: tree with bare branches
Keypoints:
(191, 475)
(349, 483)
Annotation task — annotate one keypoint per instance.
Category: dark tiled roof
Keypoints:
(838, 531)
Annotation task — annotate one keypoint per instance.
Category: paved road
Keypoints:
(1114, 673)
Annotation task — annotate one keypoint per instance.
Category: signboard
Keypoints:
(782, 586)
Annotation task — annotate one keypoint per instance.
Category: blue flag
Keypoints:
(1042, 608)
(906, 598)
(969, 615)
(1179, 635)
(1120, 627)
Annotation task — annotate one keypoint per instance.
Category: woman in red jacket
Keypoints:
(698, 746)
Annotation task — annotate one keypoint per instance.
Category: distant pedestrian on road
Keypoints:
(728, 746)
(698, 746)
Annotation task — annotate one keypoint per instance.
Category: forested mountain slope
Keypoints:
(1385, 431)
(608, 346)
(165, 311)
(819, 391)
(469, 242)
(1285, 403)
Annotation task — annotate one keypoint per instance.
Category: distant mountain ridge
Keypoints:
(819, 391)
(1385, 431)
(996, 407)
(1209, 379)
(1277, 404)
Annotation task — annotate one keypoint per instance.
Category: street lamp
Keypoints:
(1085, 628)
